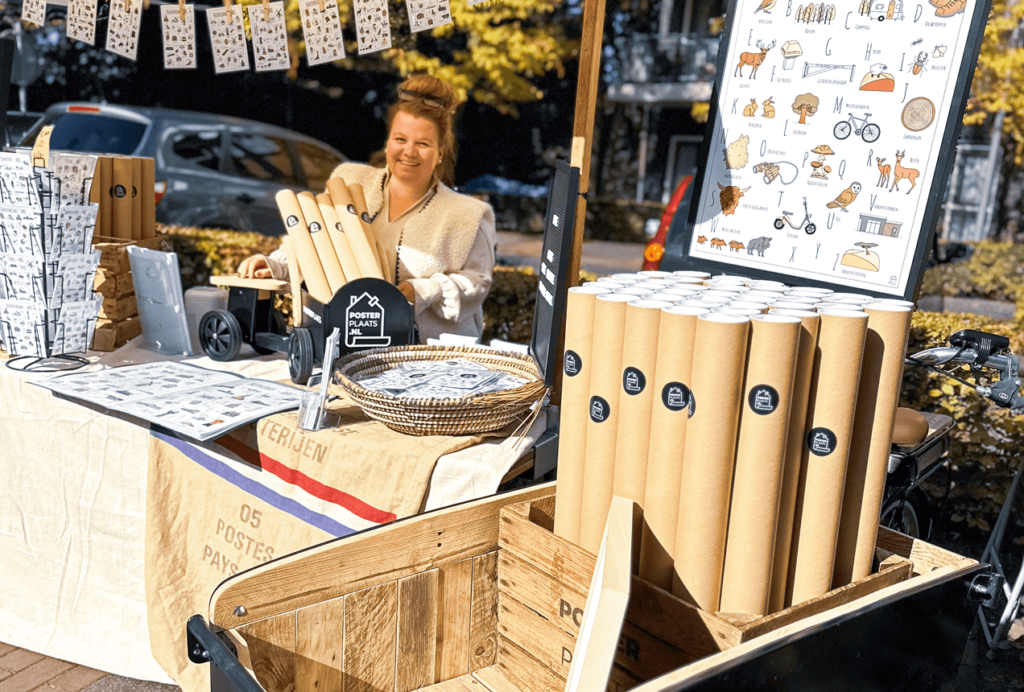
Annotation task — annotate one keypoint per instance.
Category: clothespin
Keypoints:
(320, 5)
(231, 14)
(145, 4)
(266, 10)
(181, 10)
(127, 5)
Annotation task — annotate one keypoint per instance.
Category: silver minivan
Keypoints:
(213, 171)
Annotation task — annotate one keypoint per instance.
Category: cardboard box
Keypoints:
(111, 284)
(118, 309)
(114, 252)
(110, 335)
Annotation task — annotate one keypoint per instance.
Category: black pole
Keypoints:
(6, 65)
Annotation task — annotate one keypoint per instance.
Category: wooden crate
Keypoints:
(111, 335)
(111, 284)
(114, 251)
(483, 596)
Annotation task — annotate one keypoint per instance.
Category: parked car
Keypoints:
(18, 123)
(213, 171)
(665, 251)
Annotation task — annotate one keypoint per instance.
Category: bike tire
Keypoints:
(871, 133)
(778, 224)
(916, 517)
(842, 130)
(811, 228)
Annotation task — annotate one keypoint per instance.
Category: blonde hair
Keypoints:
(428, 97)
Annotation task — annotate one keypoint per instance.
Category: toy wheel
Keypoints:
(300, 355)
(882, 18)
(842, 130)
(871, 133)
(811, 228)
(220, 335)
(778, 224)
(277, 326)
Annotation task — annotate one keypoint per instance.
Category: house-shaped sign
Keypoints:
(675, 397)
(364, 322)
(820, 443)
(763, 400)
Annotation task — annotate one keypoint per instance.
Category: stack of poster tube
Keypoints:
(749, 420)
(125, 190)
(330, 237)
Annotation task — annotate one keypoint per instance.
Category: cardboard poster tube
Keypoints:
(321, 241)
(385, 263)
(147, 190)
(302, 246)
(105, 177)
(719, 357)
(831, 406)
(121, 198)
(877, 399)
(362, 213)
(760, 462)
(602, 417)
(136, 198)
(572, 426)
(337, 235)
(669, 418)
(358, 240)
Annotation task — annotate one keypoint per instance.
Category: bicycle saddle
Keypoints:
(911, 427)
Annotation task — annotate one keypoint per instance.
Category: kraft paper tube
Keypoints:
(693, 274)
(655, 274)
(668, 437)
(321, 241)
(359, 200)
(603, 417)
(382, 257)
(105, 175)
(700, 304)
(719, 356)
(302, 246)
(831, 406)
(877, 399)
(810, 323)
(632, 276)
(632, 291)
(636, 397)
(338, 239)
(355, 232)
(572, 426)
(148, 193)
(619, 282)
(121, 198)
(136, 198)
(749, 305)
(760, 462)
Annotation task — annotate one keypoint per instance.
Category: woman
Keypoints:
(439, 243)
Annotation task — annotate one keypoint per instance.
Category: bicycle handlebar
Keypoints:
(1005, 392)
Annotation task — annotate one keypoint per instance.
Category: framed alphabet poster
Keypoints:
(830, 140)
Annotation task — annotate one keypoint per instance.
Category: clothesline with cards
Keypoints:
(321, 29)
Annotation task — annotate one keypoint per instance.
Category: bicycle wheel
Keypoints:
(778, 224)
(811, 228)
(842, 130)
(871, 133)
(912, 516)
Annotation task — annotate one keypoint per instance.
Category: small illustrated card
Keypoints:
(373, 25)
(22, 276)
(230, 53)
(82, 21)
(269, 37)
(75, 172)
(428, 14)
(123, 31)
(321, 31)
(74, 227)
(179, 37)
(23, 328)
(74, 279)
(76, 325)
(20, 231)
(34, 11)
(16, 180)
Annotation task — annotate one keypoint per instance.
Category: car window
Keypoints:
(95, 133)
(318, 163)
(199, 148)
(262, 158)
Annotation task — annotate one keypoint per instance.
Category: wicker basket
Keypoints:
(462, 416)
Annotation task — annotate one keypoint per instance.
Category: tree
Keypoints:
(805, 104)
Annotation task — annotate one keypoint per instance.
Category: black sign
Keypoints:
(573, 364)
(633, 381)
(370, 313)
(119, 191)
(314, 227)
(763, 399)
(291, 221)
(676, 396)
(599, 409)
(821, 442)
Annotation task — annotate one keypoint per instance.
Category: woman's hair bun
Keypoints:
(431, 87)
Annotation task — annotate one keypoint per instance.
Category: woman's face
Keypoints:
(412, 149)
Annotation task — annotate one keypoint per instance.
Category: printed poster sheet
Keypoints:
(34, 11)
(428, 14)
(179, 37)
(373, 25)
(230, 52)
(195, 402)
(123, 31)
(81, 24)
(321, 31)
(269, 37)
(829, 117)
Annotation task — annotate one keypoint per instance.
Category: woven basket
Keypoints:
(462, 416)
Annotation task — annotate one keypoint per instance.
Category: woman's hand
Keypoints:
(254, 267)
(408, 291)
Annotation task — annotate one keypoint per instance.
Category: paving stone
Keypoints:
(35, 675)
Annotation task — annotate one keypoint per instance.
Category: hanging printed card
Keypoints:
(82, 21)
(76, 325)
(34, 11)
(20, 230)
(23, 328)
(230, 53)
(123, 31)
(373, 25)
(179, 37)
(269, 37)
(321, 31)
(75, 172)
(427, 14)
(16, 182)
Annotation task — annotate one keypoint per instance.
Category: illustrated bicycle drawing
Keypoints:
(868, 131)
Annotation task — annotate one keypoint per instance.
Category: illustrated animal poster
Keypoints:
(829, 128)
(81, 23)
(34, 11)
(230, 51)
(428, 14)
(123, 29)
(179, 37)
(269, 38)
(321, 31)
(373, 25)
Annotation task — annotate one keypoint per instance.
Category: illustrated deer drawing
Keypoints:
(753, 59)
(883, 173)
(900, 173)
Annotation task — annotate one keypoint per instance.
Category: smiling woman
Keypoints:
(438, 244)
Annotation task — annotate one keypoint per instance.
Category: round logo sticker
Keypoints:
(314, 227)
(693, 405)
(763, 399)
(573, 364)
(338, 227)
(633, 381)
(599, 409)
(351, 209)
(675, 396)
(821, 441)
(119, 191)
(135, 191)
(291, 221)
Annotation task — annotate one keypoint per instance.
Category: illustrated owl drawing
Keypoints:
(845, 198)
